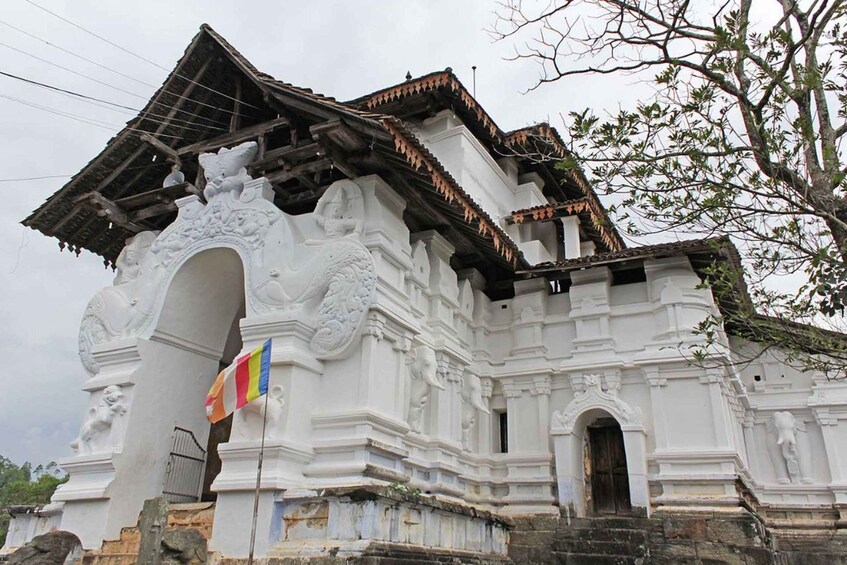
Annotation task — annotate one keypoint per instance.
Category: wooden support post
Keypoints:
(235, 120)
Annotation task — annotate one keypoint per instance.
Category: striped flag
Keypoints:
(238, 384)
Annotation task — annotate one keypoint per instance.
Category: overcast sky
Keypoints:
(339, 48)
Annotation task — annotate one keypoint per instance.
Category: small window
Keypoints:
(501, 421)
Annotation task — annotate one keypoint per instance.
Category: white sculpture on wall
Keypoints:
(790, 457)
(249, 417)
(423, 375)
(98, 425)
(328, 281)
(593, 396)
(117, 311)
(472, 402)
(340, 211)
(225, 171)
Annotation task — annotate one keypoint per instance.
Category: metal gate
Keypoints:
(186, 463)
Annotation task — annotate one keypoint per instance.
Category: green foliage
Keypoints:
(741, 136)
(25, 485)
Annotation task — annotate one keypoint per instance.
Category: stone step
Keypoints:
(590, 559)
(610, 534)
(618, 522)
(599, 547)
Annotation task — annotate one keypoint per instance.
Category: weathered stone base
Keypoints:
(375, 524)
(383, 554)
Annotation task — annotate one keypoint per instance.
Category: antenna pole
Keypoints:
(473, 68)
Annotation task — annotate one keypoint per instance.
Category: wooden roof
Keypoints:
(538, 148)
(214, 98)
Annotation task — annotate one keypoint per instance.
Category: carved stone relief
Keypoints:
(471, 398)
(423, 375)
(789, 449)
(96, 430)
(327, 281)
(593, 396)
(118, 311)
(249, 418)
(226, 171)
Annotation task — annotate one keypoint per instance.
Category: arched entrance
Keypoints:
(600, 452)
(199, 325)
(606, 471)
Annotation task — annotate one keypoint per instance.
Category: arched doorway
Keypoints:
(615, 470)
(200, 322)
(607, 477)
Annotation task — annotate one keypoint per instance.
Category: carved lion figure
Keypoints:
(100, 419)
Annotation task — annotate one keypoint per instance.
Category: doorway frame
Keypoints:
(569, 427)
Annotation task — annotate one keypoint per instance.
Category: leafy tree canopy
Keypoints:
(25, 485)
(742, 135)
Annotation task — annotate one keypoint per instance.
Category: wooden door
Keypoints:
(609, 476)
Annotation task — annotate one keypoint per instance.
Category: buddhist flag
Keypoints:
(238, 384)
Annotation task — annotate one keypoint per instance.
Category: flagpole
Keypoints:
(258, 481)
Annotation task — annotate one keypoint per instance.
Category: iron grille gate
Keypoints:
(186, 463)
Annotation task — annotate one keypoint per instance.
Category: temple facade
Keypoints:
(457, 329)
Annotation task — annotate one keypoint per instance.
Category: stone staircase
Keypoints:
(124, 550)
(731, 538)
(585, 541)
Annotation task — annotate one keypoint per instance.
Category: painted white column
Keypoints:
(635, 444)
(287, 449)
(567, 448)
(571, 229)
(657, 405)
(720, 411)
(541, 391)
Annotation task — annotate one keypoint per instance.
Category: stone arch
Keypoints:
(568, 428)
(202, 304)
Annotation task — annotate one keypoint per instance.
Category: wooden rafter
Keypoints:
(228, 139)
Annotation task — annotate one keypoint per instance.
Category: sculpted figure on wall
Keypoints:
(790, 457)
(249, 418)
(329, 281)
(472, 403)
(119, 310)
(340, 212)
(97, 427)
(423, 375)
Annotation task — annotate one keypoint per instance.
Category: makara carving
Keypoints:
(97, 427)
(593, 396)
(118, 311)
(326, 281)
(423, 375)
(472, 403)
(790, 457)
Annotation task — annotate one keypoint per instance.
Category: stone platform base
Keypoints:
(384, 525)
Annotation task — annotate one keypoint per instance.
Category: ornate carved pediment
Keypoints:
(315, 264)
(594, 397)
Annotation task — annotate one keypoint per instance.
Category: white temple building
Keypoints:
(450, 316)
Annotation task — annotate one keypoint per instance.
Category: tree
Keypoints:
(742, 136)
(23, 485)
